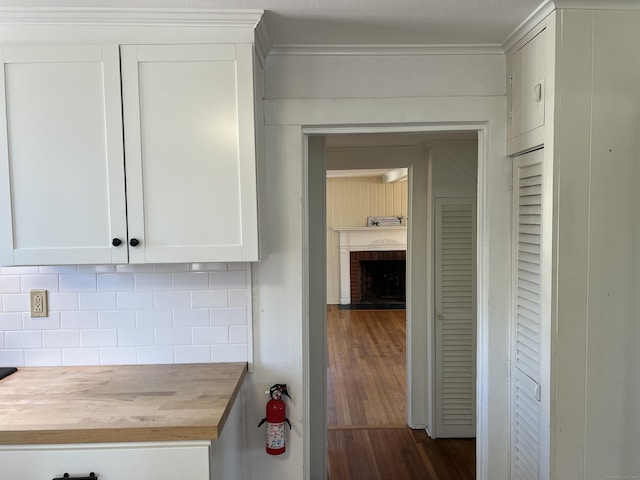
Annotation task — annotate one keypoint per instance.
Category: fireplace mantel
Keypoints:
(362, 239)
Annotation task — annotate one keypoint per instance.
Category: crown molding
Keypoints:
(168, 17)
(263, 41)
(539, 14)
(372, 50)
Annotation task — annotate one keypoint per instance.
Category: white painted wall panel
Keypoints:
(297, 76)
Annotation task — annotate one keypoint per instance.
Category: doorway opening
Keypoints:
(383, 340)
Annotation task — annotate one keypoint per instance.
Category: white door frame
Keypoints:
(419, 330)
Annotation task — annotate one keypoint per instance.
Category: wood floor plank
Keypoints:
(366, 397)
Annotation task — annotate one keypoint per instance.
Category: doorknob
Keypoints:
(439, 316)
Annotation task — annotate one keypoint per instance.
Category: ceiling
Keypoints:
(355, 22)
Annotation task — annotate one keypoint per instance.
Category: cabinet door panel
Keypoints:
(190, 172)
(109, 461)
(63, 195)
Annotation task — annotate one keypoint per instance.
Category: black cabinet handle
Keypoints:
(134, 242)
(92, 476)
(116, 242)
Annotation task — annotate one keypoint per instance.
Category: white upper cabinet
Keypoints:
(62, 190)
(187, 112)
(190, 152)
(527, 70)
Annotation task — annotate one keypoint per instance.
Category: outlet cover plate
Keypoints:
(38, 303)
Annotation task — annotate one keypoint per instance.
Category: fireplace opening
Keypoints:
(378, 278)
(382, 281)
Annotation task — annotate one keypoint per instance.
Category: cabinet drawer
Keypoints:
(115, 461)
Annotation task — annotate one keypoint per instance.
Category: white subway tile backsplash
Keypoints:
(47, 282)
(97, 301)
(139, 268)
(155, 355)
(15, 302)
(9, 284)
(237, 335)
(79, 282)
(11, 321)
(170, 300)
(49, 357)
(63, 301)
(60, 339)
(116, 319)
(99, 338)
(192, 354)
(19, 271)
(77, 320)
(12, 358)
(52, 322)
(154, 318)
(96, 268)
(118, 356)
(238, 298)
(134, 300)
(191, 318)
(126, 314)
(208, 267)
(152, 281)
(228, 353)
(229, 316)
(23, 339)
(171, 267)
(210, 335)
(80, 356)
(208, 298)
(134, 337)
(229, 279)
(191, 281)
(115, 282)
(173, 336)
(59, 269)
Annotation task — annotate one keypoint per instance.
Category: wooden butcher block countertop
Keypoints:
(134, 403)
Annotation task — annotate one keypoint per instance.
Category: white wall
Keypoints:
(126, 314)
(454, 168)
(307, 91)
(596, 359)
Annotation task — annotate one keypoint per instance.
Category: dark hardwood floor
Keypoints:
(366, 396)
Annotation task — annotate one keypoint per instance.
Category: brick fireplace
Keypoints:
(369, 244)
(378, 276)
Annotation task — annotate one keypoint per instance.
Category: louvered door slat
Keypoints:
(455, 328)
(529, 440)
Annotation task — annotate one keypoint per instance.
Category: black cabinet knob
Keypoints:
(116, 242)
(134, 242)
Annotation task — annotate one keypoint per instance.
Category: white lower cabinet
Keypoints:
(109, 461)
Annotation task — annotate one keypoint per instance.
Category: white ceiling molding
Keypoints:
(539, 14)
(130, 16)
(263, 42)
(379, 50)
(598, 4)
(395, 175)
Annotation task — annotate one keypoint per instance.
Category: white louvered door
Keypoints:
(530, 322)
(455, 302)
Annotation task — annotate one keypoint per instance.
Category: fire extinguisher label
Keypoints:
(275, 435)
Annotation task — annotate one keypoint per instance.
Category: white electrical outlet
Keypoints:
(38, 303)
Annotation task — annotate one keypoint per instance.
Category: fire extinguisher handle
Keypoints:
(288, 422)
(261, 422)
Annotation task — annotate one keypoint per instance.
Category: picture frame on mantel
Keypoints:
(386, 221)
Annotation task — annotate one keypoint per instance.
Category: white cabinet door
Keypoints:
(61, 160)
(190, 152)
(530, 321)
(135, 461)
(528, 72)
(455, 299)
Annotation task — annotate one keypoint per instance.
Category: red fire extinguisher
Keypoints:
(276, 418)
